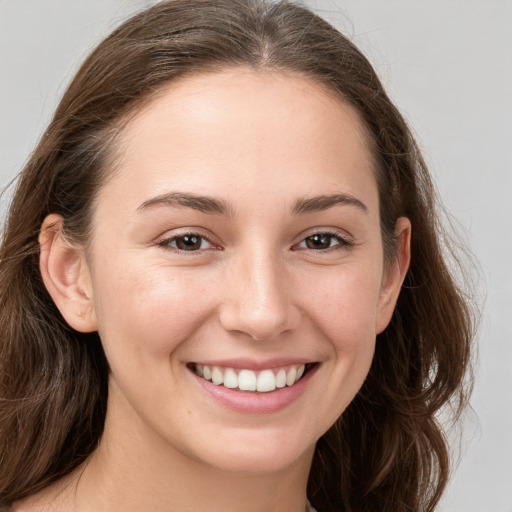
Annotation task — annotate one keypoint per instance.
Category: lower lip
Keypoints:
(252, 402)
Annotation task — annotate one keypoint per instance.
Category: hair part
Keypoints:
(387, 451)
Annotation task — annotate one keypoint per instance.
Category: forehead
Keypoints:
(222, 132)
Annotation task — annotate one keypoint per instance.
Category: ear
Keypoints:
(394, 274)
(66, 275)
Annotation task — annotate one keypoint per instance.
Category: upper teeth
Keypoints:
(248, 380)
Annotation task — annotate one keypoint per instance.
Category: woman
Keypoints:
(222, 280)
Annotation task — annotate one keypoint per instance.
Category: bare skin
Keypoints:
(285, 269)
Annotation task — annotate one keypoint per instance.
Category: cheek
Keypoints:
(344, 320)
(149, 310)
(343, 304)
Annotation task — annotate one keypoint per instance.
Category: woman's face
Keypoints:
(238, 240)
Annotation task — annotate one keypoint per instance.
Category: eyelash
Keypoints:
(343, 242)
(166, 243)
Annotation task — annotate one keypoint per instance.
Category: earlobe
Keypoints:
(394, 274)
(66, 275)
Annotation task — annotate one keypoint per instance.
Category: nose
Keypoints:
(258, 300)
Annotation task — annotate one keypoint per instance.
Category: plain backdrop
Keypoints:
(448, 66)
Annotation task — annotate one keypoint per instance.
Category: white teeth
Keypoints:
(217, 377)
(207, 373)
(291, 376)
(230, 379)
(248, 380)
(266, 381)
(281, 378)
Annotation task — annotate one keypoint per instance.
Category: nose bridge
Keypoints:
(259, 301)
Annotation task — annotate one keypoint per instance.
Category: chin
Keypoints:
(265, 460)
(258, 453)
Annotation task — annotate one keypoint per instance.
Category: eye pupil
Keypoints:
(188, 242)
(318, 241)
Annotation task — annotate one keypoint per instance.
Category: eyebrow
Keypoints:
(203, 204)
(211, 205)
(318, 203)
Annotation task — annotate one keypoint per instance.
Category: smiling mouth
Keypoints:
(263, 381)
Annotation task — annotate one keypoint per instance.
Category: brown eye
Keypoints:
(320, 241)
(324, 242)
(189, 242)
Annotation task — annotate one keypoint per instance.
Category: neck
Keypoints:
(135, 469)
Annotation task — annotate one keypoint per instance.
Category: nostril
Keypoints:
(260, 319)
(260, 323)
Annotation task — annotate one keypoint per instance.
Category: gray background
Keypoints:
(446, 63)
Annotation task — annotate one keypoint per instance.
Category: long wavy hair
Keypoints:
(388, 451)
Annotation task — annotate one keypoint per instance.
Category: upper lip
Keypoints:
(255, 365)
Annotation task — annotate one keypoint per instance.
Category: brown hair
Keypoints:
(387, 452)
